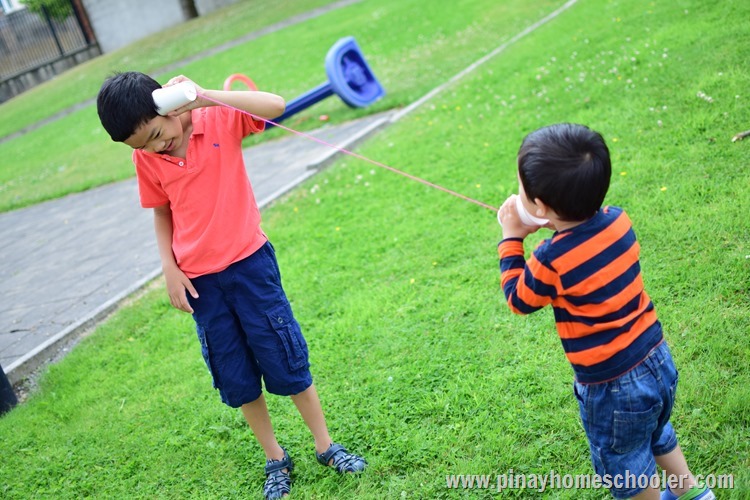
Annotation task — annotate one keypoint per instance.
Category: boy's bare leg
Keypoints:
(308, 404)
(257, 417)
(649, 494)
(676, 466)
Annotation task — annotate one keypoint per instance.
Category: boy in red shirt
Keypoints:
(589, 272)
(217, 262)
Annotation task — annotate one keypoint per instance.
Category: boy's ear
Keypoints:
(541, 209)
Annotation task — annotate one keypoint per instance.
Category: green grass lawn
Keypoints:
(419, 363)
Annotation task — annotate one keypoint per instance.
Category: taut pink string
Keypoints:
(356, 155)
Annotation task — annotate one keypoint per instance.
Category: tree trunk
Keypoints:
(83, 21)
(189, 8)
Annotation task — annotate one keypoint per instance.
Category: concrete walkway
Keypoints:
(67, 263)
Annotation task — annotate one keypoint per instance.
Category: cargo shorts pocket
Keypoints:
(206, 352)
(632, 428)
(289, 333)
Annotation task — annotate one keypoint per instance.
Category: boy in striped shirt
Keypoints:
(589, 272)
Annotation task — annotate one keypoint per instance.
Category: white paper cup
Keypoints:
(168, 99)
(526, 218)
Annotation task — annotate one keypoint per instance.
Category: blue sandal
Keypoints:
(343, 461)
(278, 483)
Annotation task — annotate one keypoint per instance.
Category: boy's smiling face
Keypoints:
(161, 134)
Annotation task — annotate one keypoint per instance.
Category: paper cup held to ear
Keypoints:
(168, 99)
(526, 218)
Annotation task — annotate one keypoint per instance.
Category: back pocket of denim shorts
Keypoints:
(288, 330)
(632, 428)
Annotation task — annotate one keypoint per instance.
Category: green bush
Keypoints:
(55, 9)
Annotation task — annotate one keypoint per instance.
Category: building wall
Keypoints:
(10, 5)
(117, 24)
(206, 6)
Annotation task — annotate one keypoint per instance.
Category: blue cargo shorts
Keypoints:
(247, 331)
(627, 422)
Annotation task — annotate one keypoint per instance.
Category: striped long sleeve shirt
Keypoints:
(591, 276)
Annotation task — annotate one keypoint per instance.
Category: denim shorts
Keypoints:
(627, 422)
(247, 331)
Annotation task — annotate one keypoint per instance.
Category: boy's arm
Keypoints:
(523, 282)
(263, 104)
(177, 282)
(256, 102)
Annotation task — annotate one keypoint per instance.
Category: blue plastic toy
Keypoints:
(349, 77)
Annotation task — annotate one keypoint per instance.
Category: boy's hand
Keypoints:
(191, 105)
(177, 286)
(511, 222)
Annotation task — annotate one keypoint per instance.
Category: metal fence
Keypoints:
(30, 39)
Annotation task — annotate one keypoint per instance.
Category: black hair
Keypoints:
(566, 166)
(124, 103)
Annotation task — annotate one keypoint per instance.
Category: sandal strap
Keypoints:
(277, 485)
(277, 465)
(326, 456)
(343, 461)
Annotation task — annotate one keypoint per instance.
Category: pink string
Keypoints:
(356, 155)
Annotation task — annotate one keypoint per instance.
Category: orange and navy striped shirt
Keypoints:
(592, 277)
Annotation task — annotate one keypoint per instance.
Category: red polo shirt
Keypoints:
(215, 216)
